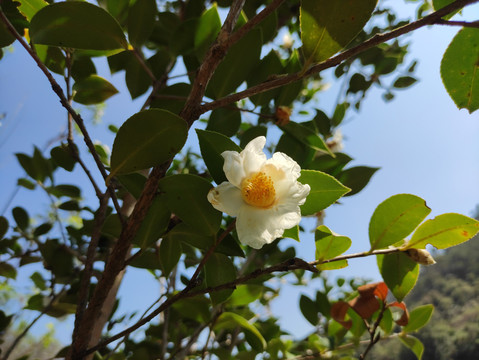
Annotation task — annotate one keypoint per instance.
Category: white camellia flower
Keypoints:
(263, 194)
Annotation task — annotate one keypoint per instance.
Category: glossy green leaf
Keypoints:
(418, 318)
(395, 218)
(186, 197)
(325, 190)
(154, 225)
(309, 309)
(208, 28)
(292, 233)
(78, 25)
(229, 320)
(219, 270)
(399, 272)
(328, 26)
(225, 121)
(307, 137)
(170, 253)
(212, 144)
(93, 90)
(245, 295)
(30, 7)
(329, 244)
(356, 178)
(240, 60)
(414, 344)
(7, 270)
(3, 226)
(444, 231)
(460, 69)
(21, 217)
(141, 20)
(147, 139)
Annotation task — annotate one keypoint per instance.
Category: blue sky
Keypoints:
(423, 144)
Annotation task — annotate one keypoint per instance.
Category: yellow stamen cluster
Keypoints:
(258, 190)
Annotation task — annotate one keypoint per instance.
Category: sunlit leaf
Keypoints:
(208, 28)
(292, 233)
(444, 231)
(78, 25)
(418, 318)
(460, 69)
(328, 26)
(147, 139)
(329, 245)
(30, 7)
(395, 218)
(325, 190)
(414, 344)
(245, 294)
(399, 272)
(229, 320)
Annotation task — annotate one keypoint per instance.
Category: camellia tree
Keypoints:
(211, 236)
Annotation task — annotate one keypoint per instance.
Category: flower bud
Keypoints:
(282, 115)
(420, 256)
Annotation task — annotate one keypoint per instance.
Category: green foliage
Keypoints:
(195, 60)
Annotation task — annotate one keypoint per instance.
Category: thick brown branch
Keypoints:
(282, 80)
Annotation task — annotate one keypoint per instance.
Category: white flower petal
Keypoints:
(252, 227)
(226, 198)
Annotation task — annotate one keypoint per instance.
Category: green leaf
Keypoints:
(4, 321)
(7, 270)
(395, 218)
(196, 309)
(30, 7)
(356, 178)
(309, 309)
(307, 137)
(208, 28)
(147, 139)
(78, 25)
(186, 196)
(212, 144)
(414, 344)
(27, 184)
(170, 253)
(292, 233)
(418, 318)
(65, 190)
(137, 79)
(328, 26)
(133, 183)
(21, 217)
(399, 272)
(147, 260)
(3, 226)
(444, 231)
(252, 133)
(288, 93)
(219, 270)
(460, 69)
(173, 99)
(225, 121)
(82, 67)
(154, 225)
(339, 113)
(38, 280)
(93, 90)
(325, 190)
(439, 4)
(329, 245)
(141, 21)
(404, 82)
(245, 295)
(240, 60)
(62, 157)
(229, 320)
(58, 259)
(42, 229)
(268, 66)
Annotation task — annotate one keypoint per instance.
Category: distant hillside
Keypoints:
(452, 286)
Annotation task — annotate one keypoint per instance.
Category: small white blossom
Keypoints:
(263, 194)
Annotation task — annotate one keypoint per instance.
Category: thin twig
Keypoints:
(473, 24)
(282, 80)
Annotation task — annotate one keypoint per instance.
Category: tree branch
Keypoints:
(286, 79)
